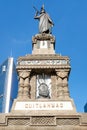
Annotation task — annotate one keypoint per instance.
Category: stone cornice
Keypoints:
(43, 56)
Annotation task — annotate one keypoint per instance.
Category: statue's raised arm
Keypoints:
(45, 22)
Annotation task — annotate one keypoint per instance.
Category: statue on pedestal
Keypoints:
(45, 22)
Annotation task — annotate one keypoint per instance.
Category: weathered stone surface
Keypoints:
(54, 112)
(24, 121)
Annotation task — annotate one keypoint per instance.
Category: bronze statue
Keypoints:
(45, 22)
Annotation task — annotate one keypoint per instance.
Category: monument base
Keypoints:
(65, 121)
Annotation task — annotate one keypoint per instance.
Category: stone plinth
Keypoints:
(43, 44)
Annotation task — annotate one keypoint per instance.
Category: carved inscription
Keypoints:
(44, 105)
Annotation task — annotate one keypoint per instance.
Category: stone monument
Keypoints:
(43, 100)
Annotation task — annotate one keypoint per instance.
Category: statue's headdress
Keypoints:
(42, 9)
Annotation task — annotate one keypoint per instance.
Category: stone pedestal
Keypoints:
(41, 73)
(43, 100)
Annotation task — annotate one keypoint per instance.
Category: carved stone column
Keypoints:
(62, 84)
(65, 86)
(59, 86)
(24, 84)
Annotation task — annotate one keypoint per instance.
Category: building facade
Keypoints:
(85, 108)
(8, 84)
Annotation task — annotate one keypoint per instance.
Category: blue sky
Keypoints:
(17, 27)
